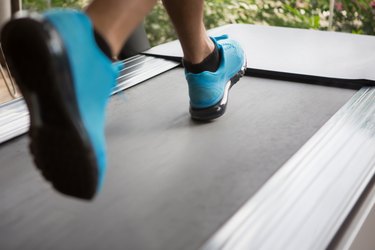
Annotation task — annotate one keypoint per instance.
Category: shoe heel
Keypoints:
(61, 148)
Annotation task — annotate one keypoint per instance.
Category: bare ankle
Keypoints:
(199, 53)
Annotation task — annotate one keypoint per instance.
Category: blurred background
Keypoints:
(348, 15)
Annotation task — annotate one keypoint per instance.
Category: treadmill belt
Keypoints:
(171, 182)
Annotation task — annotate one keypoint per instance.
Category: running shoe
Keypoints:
(66, 82)
(209, 91)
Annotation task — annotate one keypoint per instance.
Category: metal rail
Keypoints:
(304, 204)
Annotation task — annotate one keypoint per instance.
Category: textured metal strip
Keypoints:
(14, 117)
(140, 68)
(304, 204)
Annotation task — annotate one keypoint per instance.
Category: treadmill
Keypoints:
(289, 166)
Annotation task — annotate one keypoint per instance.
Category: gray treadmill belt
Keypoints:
(171, 183)
(320, 57)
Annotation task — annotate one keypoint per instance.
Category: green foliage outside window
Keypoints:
(40, 5)
(349, 15)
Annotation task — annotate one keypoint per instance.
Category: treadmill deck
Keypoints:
(171, 182)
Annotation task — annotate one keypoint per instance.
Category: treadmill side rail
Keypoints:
(304, 204)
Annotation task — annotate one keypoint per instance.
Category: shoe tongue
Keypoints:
(116, 68)
(222, 37)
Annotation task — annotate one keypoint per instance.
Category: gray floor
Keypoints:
(171, 183)
(365, 239)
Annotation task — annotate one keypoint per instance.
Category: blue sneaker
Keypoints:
(66, 81)
(209, 91)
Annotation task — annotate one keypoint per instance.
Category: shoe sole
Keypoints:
(59, 142)
(217, 110)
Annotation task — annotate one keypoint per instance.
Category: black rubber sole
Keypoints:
(59, 143)
(217, 110)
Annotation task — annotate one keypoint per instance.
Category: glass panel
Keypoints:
(349, 16)
(8, 89)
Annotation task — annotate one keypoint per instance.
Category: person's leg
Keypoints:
(212, 65)
(187, 18)
(116, 19)
(66, 78)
